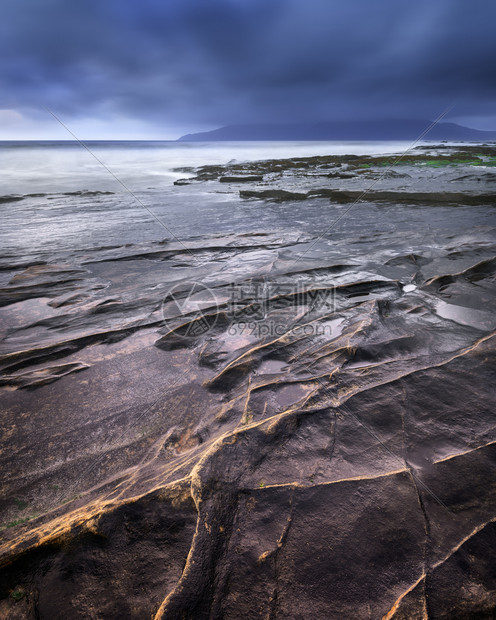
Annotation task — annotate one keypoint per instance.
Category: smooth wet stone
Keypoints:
(307, 436)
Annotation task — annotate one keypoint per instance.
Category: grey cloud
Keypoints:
(226, 61)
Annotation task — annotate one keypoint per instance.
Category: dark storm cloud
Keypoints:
(222, 61)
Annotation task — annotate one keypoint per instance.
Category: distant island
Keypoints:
(350, 130)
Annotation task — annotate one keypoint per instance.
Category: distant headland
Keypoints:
(349, 130)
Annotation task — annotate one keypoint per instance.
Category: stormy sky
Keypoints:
(161, 68)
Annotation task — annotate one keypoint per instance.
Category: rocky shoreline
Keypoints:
(289, 422)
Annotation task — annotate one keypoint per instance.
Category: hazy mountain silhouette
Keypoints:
(350, 130)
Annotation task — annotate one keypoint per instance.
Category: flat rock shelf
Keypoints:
(290, 419)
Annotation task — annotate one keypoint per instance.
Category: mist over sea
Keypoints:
(67, 166)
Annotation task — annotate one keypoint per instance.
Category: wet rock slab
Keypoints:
(324, 448)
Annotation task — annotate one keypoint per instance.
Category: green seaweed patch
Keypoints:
(433, 163)
(490, 163)
(18, 522)
(17, 595)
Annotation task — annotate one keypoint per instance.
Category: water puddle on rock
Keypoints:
(480, 319)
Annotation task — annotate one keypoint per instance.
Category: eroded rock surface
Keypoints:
(294, 419)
